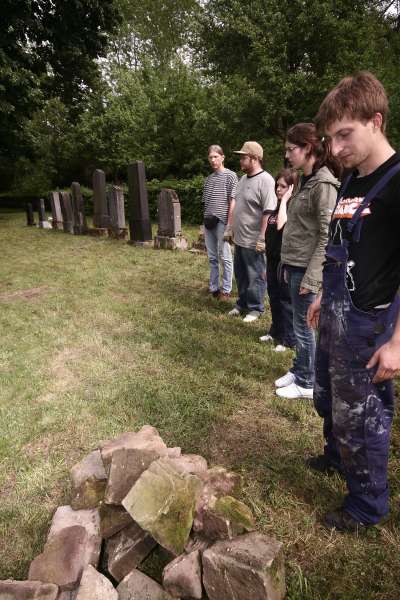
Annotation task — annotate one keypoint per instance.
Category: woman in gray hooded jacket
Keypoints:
(303, 245)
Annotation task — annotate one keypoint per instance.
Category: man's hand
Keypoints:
(260, 245)
(313, 313)
(387, 357)
(228, 234)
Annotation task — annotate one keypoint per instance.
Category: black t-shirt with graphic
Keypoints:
(373, 275)
(273, 237)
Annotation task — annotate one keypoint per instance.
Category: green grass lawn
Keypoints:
(99, 337)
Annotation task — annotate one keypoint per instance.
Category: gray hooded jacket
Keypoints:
(305, 235)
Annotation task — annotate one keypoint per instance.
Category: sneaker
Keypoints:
(224, 296)
(215, 293)
(253, 315)
(280, 348)
(341, 520)
(293, 391)
(235, 312)
(322, 464)
(285, 380)
(266, 338)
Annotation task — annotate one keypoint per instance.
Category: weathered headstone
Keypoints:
(78, 208)
(67, 212)
(200, 245)
(30, 218)
(139, 218)
(169, 235)
(56, 210)
(43, 222)
(101, 218)
(116, 208)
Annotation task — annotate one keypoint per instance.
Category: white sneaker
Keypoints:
(266, 338)
(235, 312)
(280, 348)
(294, 391)
(285, 380)
(251, 316)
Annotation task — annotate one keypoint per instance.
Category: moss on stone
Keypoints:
(239, 515)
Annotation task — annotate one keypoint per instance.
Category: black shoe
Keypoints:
(341, 520)
(215, 294)
(322, 464)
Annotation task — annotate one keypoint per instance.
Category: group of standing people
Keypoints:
(328, 253)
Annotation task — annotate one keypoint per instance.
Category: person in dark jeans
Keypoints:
(303, 246)
(281, 330)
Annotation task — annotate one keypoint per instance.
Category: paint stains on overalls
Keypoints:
(357, 413)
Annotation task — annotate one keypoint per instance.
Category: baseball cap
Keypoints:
(252, 148)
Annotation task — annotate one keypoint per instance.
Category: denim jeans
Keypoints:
(218, 249)
(250, 275)
(279, 302)
(303, 364)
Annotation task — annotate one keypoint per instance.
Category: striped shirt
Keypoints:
(219, 188)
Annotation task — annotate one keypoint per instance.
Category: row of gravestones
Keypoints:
(68, 211)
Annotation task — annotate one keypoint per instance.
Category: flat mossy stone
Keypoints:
(238, 513)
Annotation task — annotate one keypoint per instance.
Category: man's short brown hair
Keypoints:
(358, 97)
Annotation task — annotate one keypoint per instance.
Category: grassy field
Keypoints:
(99, 337)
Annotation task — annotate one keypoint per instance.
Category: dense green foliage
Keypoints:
(175, 76)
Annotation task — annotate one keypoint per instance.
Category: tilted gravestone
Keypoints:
(78, 208)
(30, 218)
(116, 209)
(43, 222)
(101, 218)
(139, 218)
(169, 233)
(67, 212)
(56, 213)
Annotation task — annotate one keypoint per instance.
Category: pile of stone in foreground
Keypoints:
(134, 495)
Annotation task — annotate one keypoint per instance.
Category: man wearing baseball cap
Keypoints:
(255, 199)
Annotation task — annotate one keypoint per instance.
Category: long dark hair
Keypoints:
(302, 134)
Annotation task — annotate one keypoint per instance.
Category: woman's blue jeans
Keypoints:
(303, 364)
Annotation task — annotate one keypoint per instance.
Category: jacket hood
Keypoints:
(323, 175)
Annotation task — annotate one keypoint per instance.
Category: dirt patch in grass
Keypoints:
(61, 374)
(26, 294)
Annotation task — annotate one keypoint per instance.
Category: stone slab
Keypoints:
(138, 586)
(182, 576)
(63, 559)
(249, 566)
(65, 517)
(162, 502)
(162, 242)
(95, 586)
(27, 590)
(89, 481)
(113, 518)
(190, 463)
(127, 549)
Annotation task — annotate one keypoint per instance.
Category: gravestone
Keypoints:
(78, 208)
(169, 234)
(43, 222)
(139, 218)
(116, 209)
(56, 213)
(67, 212)
(101, 218)
(30, 218)
(200, 245)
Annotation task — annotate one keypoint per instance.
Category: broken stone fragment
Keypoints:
(174, 452)
(126, 550)
(63, 559)
(65, 517)
(27, 590)
(89, 481)
(190, 463)
(146, 438)
(249, 566)
(113, 518)
(162, 502)
(182, 576)
(198, 542)
(227, 518)
(127, 464)
(67, 595)
(138, 586)
(95, 586)
(217, 482)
